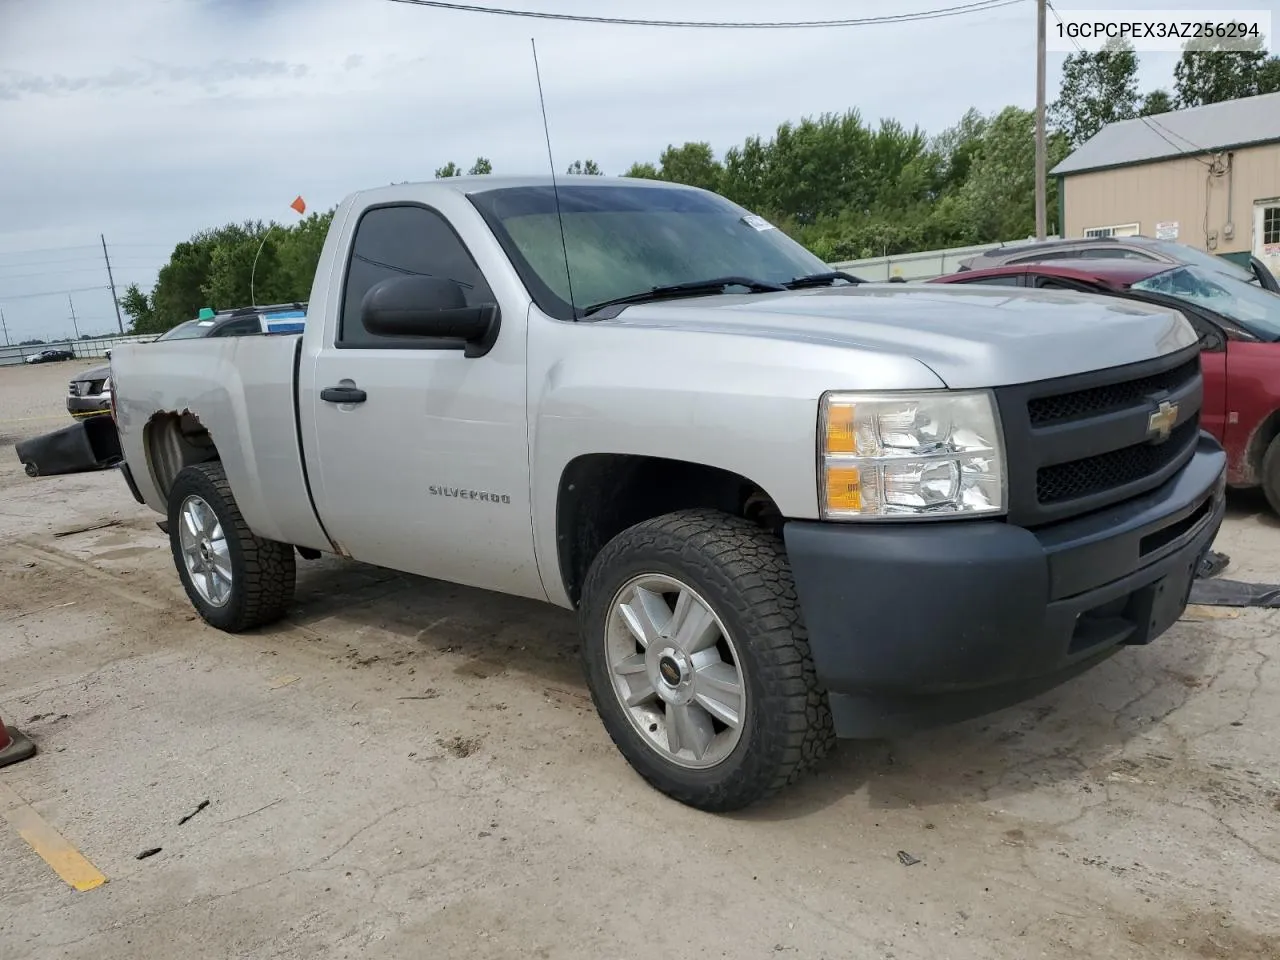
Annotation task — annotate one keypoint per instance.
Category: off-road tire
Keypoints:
(743, 573)
(262, 571)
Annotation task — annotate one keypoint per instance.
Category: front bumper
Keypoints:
(932, 622)
(86, 406)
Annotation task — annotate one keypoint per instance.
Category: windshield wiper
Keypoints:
(822, 280)
(692, 288)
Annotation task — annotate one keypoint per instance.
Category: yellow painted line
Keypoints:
(52, 847)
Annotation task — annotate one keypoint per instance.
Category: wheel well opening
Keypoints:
(603, 494)
(174, 441)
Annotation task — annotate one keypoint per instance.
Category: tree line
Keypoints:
(843, 187)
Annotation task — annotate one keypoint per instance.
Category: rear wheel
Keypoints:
(698, 661)
(235, 579)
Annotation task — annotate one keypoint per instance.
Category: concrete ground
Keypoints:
(410, 769)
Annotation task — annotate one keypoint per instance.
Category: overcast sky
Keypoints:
(146, 120)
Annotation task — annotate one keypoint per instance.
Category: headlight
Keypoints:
(106, 385)
(902, 455)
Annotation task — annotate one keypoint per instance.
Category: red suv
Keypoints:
(1239, 327)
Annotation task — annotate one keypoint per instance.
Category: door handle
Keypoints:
(343, 395)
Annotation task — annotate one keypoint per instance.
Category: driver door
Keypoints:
(420, 460)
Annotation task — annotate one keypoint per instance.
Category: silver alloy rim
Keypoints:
(675, 671)
(204, 550)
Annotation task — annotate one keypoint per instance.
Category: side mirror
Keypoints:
(429, 308)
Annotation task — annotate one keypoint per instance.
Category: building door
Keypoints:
(1266, 233)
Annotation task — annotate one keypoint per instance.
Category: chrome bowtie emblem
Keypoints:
(1161, 423)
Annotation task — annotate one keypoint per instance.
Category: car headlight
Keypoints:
(900, 455)
(106, 385)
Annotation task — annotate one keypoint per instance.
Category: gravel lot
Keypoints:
(409, 769)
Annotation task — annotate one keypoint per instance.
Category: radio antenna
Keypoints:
(555, 190)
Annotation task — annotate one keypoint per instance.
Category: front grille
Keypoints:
(1080, 443)
(1105, 399)
(1118, 468)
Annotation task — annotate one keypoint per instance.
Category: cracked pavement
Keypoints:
(406, 768)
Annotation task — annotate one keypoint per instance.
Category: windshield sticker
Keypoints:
(759, 223)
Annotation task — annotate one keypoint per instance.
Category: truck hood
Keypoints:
(969, 336)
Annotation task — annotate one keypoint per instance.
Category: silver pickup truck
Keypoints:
(786, 505)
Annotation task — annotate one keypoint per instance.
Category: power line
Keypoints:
(58, 273)
(977, 6)
(51, 293)
(94, 257)
(1076, 42)
(1156, 128)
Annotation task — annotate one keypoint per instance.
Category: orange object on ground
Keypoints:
(14, 746)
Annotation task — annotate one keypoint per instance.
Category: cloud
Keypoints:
(151, 120)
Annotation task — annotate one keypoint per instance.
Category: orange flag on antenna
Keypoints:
(299, 204)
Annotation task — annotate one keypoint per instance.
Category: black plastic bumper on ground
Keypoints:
(88, 444)
(926, 623)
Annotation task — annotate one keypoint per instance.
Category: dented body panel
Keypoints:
(240, 390)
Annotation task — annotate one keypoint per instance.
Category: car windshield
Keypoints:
(1255, 309)
(624, 240)
(189, 330)
(1199, 258)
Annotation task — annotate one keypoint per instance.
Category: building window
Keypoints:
(1120, 230)
(1271, 225)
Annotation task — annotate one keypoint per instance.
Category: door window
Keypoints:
(1114, 253)
(404, 240)
(1011, 281)
(1053, 283)
(239, 328)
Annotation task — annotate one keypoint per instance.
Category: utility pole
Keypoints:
(74, 326)
(4, 326)
(1041, 147)
(111, 280)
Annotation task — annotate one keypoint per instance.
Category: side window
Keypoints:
(1013, 281)
(239, 328)
(1115, 253)
(1211, 338)
(1068, 254)
(1053, 283)
(404, 241)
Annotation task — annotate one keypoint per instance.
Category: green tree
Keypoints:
(643, 171)
(1157, 101)
(693, 164)
(1097, 89)
(999, 196)
(137, 307)
(450, 169)
(481, 167)
(1211, 70)
(585, 168)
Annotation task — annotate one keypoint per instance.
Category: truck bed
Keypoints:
(242, 390)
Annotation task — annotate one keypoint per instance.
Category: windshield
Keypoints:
(189, 330)
(1199, 258)
(1255, 309)
(623, 240)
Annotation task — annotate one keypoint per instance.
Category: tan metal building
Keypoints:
(1208, 177)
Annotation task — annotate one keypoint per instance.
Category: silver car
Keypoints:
(1131, 248)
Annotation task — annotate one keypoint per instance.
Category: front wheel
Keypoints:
(1271, 474)
(235, 579)
(698, 661)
